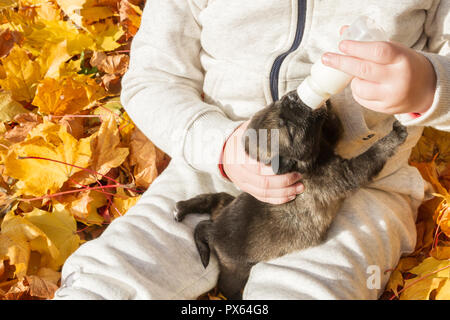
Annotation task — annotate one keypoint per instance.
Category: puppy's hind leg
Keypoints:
(232, 280)
(201, 236)
(211, 203)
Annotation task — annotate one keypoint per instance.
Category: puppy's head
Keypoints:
(288, 134)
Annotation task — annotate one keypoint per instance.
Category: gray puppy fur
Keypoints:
(243, 231)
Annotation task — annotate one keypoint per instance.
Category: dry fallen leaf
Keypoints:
(9, 108)
(7, 40)
(25, 123)
(22, 74)
(50, 141)
(147, 159)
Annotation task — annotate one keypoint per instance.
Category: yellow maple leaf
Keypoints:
(420, 290)
(19, 236)
(94, 14)
(147, 159)
(52, 57)
(122, 203)
(61, 96)
(16, 249)
(106, 35)
(9, 108)
(84, 206)
(444, 291)
(430, 265)
(43, 34)
(47, 10)
(108, 152)
(441, 252)
(37, 177)
(60, 227)
(22, 74)
(431, 143)
(5, 4)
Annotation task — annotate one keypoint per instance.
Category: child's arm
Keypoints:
(395, 79)
(162, 89)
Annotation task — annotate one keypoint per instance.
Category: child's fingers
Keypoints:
(363, 69)
(276, 201)
(258, 191)
(367, 90)
(378, 106)
(267, 181)
(380, 52)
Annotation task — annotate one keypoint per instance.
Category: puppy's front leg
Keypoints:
(340, 175)
(211, 203)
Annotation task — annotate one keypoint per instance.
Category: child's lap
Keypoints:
(148, 255)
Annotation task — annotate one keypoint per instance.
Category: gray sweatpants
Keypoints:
(147, 255)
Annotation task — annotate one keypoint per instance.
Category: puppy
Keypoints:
(243, 231)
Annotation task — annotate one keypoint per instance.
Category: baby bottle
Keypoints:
(323, 82)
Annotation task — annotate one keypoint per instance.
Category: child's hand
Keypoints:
(254, 177)
(389, 77)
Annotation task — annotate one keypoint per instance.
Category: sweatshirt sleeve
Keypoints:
(437, 28)
(161, 91)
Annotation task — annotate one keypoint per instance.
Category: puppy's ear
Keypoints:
(282, 165)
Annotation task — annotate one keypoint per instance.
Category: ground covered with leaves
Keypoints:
(71, 160)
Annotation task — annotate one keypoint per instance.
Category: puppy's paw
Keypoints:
(400, 130)
(179, 213)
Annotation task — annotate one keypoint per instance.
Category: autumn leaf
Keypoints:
(130, 16)
(52, 234)
(441, 252)
(48, 10)
(60, 228)
(25, 123)
(84, 12)
(108, 152)
(433, 142)
(19, 237)
(420, 290)
(432, 264)
(114, 68)
(114, 64)
(41, 288)
(106, 35)
(123, 202)
(50, 141)
(444, 290)
(55, 56)
(44, 34)
(84, 205)
(147, 159)
(5, 4)
(22, 74)
(7, 40)
(9, 108)
(63, 96)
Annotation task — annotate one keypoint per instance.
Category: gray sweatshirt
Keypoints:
(199, 68)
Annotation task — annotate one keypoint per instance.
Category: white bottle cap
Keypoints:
(364, 29)
(312, 98)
